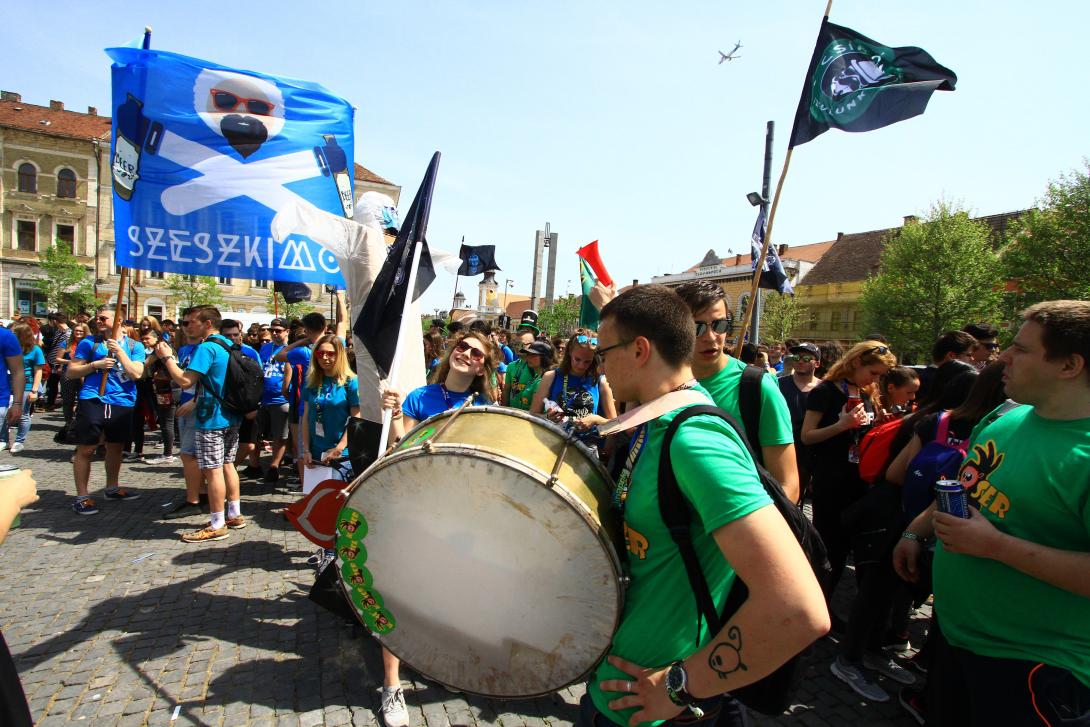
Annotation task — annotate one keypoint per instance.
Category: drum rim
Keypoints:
(619, 579)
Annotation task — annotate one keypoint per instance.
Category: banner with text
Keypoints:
(203, 158)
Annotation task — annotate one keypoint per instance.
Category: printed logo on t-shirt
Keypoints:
(635, 542)
(979, 466)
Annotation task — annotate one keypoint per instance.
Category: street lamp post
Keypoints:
(506, 287)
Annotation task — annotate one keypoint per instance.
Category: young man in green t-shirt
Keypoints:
(520, 375)
(721, 375)
(645, 346)
(1012, 595)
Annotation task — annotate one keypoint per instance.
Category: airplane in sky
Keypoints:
(730, 56)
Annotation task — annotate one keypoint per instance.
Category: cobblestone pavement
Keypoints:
(114, 621)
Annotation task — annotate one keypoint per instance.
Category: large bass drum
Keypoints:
(481, 552)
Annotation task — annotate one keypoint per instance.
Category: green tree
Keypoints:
(780, 316)
(1048, 255)
(68, 284)
(560, 318)
(935, 275)
(193, 290)
(275, 302)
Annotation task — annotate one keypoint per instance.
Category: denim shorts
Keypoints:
(187, 426)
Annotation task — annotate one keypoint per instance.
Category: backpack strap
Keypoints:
(675, 514)
(749, 403)
(943, 430)
(228, 349)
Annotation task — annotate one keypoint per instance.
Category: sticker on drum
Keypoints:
(351, 525)
(356, 576)
(351, 551)
(417, 438)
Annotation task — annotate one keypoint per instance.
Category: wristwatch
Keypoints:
(676, 682)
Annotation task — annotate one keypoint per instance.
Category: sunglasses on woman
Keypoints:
(586, 340)
(719, 327)
(475, 354)
(880, 350)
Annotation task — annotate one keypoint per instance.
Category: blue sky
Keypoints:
(613, 120)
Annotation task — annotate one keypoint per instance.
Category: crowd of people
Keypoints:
(850, 432)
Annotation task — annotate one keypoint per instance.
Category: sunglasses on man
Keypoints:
(225, 101)
(719, 327)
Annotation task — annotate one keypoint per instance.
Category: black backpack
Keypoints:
(243, 383)
(772, 694)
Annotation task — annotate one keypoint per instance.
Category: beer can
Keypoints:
(951, 498)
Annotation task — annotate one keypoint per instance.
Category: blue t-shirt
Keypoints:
(508, 354)
(9, 346)
(434, 399)
(210, 360)
(185, 353)
(576, 395)
(249, 351)
(120, 389)
(274, 376)
(30, 360)
(331, 406)
(299, 357)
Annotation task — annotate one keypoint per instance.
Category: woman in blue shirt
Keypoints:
(330, 398)
(33, 363)
(579, 390)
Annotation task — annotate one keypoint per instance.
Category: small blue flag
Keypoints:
(203, 158)
(773, 276)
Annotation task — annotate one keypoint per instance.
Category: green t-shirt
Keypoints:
(523, 384)
(1031, 477)
(718, 478)
(775, 428)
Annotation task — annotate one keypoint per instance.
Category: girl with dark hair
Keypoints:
(897, 390)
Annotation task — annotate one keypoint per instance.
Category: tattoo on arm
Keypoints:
(726, 657)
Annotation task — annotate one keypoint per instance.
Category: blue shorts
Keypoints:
(187, 426)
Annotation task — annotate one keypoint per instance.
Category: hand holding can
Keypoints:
(951, 498)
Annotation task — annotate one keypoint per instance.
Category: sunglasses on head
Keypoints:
(475, 354)
(227, 101)
(880, 350)
(719, 327)
(586, 340)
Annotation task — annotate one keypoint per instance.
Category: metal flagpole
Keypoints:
(391, 381)
(450, 314)
(766, 182)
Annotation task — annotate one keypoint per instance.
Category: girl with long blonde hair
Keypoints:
(330, 399)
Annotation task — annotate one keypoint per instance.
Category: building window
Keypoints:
(814, 320)
(155, 274)
(66, 184)
(156, 311)
(66, 238)
(834, 321)
(224, 281)
(261, 284)
(26, 235)
(28, 178)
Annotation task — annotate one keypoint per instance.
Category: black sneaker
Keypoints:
(295, 486)
(120, 493)
(912, 700)
(251, 472)
(272, 476)
(182, 509)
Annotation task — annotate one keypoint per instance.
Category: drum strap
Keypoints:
(620, 492)
(652, 410)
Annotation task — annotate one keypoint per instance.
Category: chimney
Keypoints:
(10, 96)
(839, 236)
(92, 111)
(909, 219)
(56, 105)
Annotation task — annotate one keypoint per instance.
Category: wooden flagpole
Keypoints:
(768, 232)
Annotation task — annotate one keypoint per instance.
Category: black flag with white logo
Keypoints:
(858, 84)
(476, 259)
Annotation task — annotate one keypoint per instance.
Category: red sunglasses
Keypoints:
(227, 101)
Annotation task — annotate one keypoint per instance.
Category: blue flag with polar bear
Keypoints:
(203, 157)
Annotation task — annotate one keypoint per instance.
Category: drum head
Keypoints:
(496, 584)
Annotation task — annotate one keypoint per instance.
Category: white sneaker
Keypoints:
(889, 668)
(394, 711)
(854, 677)
(17, 448)
(3, 446)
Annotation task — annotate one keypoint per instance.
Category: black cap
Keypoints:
(806, 348)
(281, 322)
(538, 348)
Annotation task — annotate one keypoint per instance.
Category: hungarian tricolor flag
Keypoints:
(858, 84)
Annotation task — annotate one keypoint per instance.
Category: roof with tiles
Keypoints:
(364, 174)
(52, 120)
(807, 253)
(857, 255)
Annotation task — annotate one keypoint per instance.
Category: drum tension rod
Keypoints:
(554, 477)
(454, 413)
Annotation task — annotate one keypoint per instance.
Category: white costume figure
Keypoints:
(360, 248)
